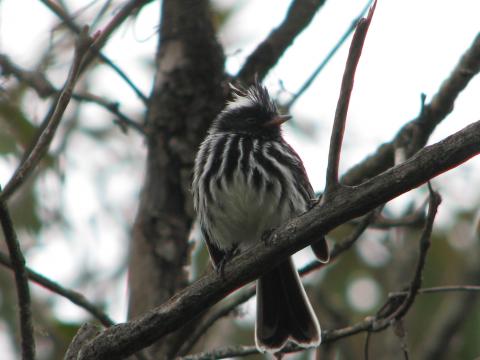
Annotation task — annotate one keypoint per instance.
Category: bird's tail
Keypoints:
(283, 311)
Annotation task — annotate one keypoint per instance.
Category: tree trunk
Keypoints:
(186, 96)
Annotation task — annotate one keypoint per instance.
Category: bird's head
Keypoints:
(251, 112)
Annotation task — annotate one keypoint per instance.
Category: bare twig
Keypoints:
(124, 339)
(416, 283)
(42, 144)
(329, 56)
(439, 289)
(75, 297)
(121, 15)
(44, 88)
(21, 282)
(343, 102)
(112, 106)
(416, 132)
(267, 53)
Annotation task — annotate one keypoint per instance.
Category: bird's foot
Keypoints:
(227, 256)
(266, 237)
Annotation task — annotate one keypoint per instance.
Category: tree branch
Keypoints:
(414, 134)
(342, 106)
(42, 144)
(121, 340)
(21, 282)
(267, 53)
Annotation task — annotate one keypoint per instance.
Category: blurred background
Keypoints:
(74, 216)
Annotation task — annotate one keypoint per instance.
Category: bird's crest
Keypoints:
(255, 95)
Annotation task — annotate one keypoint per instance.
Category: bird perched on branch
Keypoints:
(248, 181)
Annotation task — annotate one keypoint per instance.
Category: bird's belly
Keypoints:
(243, 213)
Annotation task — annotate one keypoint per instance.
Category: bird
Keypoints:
(247, 181)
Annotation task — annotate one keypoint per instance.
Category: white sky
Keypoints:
(411, 48)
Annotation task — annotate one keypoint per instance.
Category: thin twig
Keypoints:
(439, 289)
(75, 297)
(122, 120)
(21, 282)
(42, 144)
(343, 102)
(122, 14)
(44, 88)
(416, 283)
(329, 56)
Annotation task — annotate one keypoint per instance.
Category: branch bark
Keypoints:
(121, 340)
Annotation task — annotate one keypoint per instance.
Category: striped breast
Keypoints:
(244, 186)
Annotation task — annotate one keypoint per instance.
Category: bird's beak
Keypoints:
(278, 120)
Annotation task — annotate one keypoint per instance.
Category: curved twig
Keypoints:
(342, 106)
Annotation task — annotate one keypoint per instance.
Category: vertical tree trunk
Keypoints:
(186, 96)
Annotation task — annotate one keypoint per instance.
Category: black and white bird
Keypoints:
(248, 180)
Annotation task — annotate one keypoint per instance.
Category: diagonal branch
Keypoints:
(269, 51)
(122, 340)
(342, 106)
(415, 133)
(21, 282)
(42, 144)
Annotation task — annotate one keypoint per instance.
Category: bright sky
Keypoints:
(411, 48)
